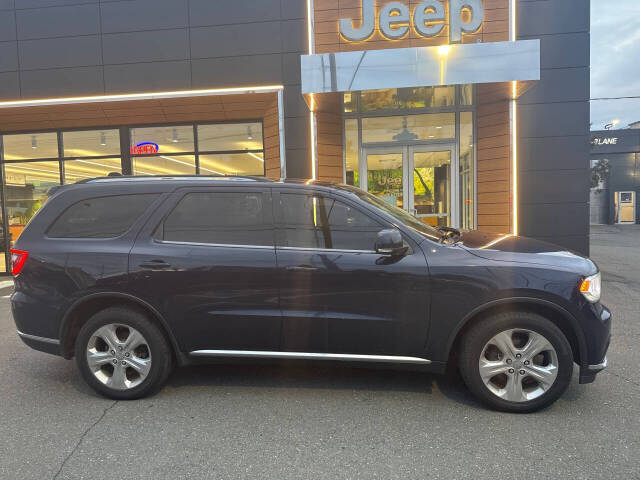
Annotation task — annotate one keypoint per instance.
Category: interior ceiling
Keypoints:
(136, 112)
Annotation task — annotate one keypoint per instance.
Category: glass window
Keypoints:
(228, 218)
(413, 97)
(350, 102)
(385, 177)
(230, 136)
(467, 166)
(76, 170)
(164, 165)
(351, 152)
(28, 146)
(103, 217)
(431, 183)
(163, 139)
(27, 185)
(408, 128)
(247, 163)
(466, 94)
(310, 221)
(91, 143)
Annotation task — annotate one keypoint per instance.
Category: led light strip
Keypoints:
(514, 123)
(141, 96)
(313, 133)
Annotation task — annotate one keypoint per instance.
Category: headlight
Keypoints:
(590, 288)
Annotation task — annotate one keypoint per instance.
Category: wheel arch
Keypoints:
(82, 309)
(562, 318)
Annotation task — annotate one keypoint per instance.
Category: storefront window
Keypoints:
(466, 94)
(408, 128)
(351, 152)
(403, 98)
(164, 165)
(247, 163)
(27, 184)
(230, 136)
(467, 164)
(91, 143)
(30, 146)
(76, 170)
(385, 178)
(163, 139)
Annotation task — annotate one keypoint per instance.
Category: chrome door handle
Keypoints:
(301, 268)
(155, 265)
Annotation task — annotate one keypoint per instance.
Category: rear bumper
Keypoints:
(43, 344)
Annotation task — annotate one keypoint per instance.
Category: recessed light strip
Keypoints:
(142, 96)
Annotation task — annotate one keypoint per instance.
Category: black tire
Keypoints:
(478, 335)
(159, 347)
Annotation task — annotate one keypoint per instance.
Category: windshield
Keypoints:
(401, 215)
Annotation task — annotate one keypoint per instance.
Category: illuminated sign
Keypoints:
(144, 148)
(604, 141)
(429, 19)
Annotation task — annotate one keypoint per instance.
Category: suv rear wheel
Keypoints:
(122, 354)
(516, 361)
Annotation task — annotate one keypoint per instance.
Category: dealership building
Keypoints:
(468, 113)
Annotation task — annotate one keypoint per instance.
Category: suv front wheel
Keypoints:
(516, 361)
(122, 354)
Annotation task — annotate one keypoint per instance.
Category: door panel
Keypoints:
(216, 290)
(336, 294)
(431, 185)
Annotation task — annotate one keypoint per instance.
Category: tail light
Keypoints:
(18, 257)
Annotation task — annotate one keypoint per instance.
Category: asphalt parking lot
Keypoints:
(316, 422)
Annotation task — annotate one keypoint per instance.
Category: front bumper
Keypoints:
(588, 373)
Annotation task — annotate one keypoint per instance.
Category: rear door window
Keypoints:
(220, 218)
(101, 217)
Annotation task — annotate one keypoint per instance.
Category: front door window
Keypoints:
(385, 176)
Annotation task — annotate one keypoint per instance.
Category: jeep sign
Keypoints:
(428, 20)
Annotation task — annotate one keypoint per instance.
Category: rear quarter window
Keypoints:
(100, 217)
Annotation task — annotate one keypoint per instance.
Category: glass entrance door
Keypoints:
(415, 178)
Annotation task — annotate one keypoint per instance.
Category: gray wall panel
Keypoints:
(298, 163)
(559, 85)
(237, 71)
(7, 26)
(207, 12)
(6, 4)
(543, 185)
(564, 50)
(62, 82)
(60, 52)
(234, 40)
(149, 46)
(294, 36)
(291, 68)
(550, 153)
(294, 103)
(549, 17)
(552, 219)
(8, 56)
(51, 3)
(9, 85)
(58, 22)
(147, 77)
(553, 119)
(297, 130)
(136, 15)
(293, 9)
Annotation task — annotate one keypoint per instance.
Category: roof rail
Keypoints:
(132, 178)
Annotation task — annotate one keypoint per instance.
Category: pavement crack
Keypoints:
(622, 378)
(82, 437)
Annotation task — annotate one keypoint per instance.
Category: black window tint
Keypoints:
(310, 221)
(102, 217)
(229, 218)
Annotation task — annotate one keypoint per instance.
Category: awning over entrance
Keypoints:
(492, 63)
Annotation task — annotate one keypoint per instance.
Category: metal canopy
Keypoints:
(421, 66)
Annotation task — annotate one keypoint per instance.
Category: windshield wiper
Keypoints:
(449, 234)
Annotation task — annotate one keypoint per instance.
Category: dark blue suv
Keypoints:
(132, 275)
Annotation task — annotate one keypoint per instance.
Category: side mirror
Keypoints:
(389, 242)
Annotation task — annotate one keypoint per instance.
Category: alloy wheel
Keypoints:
(518, 365)
(119, 356)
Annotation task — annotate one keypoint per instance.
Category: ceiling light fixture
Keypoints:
(34, 142)
(174, 136)
(249, 133)
(103, 139)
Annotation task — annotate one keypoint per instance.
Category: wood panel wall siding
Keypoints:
(272, 142)
(329, 129)
(495, 27)
(494, 163)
